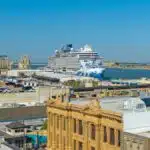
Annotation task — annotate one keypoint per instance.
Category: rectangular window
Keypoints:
(74, 144)
(80, 146)
(57, 122)
(64, 123)
(50, 138)
(64, 143)
(112, 136)
(119, 137)
(93, 131)
(9, 130)
(80, 127)
(74, 125)
(22, 130)
(54, 97)
(105, 134)
(57, 141)
(92, 148)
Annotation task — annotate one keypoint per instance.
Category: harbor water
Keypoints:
(112, 73)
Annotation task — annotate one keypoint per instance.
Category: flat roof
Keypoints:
(16, 125)
(135, 120)
(145, 134)
(115, 104)
(22, 113)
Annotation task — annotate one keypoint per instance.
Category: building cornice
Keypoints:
(93, 109)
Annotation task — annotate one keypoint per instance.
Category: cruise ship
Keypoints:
(81, 62)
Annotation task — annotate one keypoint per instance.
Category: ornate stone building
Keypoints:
(82, 126)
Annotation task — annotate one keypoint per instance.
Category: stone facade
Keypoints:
(82, 127)
(135, 142)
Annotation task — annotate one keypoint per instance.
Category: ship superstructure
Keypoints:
(83, 61)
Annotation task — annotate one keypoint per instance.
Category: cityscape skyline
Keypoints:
(114, 29)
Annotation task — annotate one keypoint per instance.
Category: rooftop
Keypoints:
(133, 110)
(145, 134)
(6, 146)
(16, 125)
(117, 104)
(3, 56)
(22, 113)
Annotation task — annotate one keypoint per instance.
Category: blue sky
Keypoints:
(117, 29)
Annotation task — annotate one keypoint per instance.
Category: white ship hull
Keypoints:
(94, 73)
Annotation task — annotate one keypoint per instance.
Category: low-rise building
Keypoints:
(5, 64)
(136, 141)
(31, 83)
(14, 134)
(16, 129)
(24, 63)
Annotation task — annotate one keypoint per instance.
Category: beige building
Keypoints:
(5, 64)
(24, 63)
(138, 141)
(82, 125)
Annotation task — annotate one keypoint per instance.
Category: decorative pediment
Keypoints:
(52, 101)
(92, 107)
(85, 108)
(94, 104)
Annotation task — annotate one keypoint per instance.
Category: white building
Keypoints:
(28, 82)
(136, 118)
(134, 112)
(16, 129)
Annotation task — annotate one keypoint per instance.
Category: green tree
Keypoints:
(44, 127)
(95, 83)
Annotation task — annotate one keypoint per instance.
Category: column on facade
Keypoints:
(67, 133)
(72, 124)
(116, 136)
(70, 133)
(63, 134)
(86, 135)
(48, 131)
(77, 131)
(108, 134)
(53, 133)
(97, 137)
(121, 139)
(101, 135)
(60, 132)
